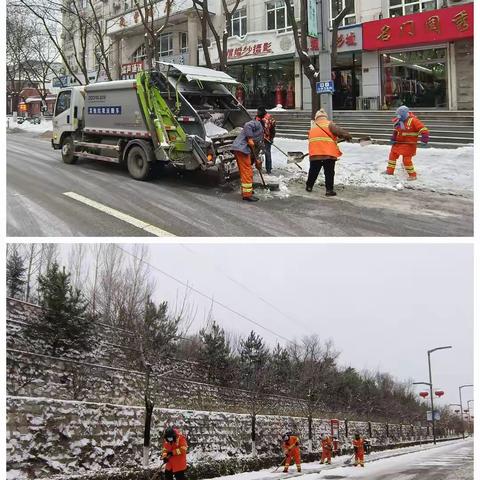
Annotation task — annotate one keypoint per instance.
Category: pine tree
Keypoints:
(63, 324)
(15, 275)
(215, 353)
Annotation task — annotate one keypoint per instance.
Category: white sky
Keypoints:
(383, 305)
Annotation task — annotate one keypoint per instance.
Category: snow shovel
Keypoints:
(273, 187)
(348, 461)
(282, 463)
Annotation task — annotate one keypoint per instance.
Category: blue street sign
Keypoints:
(325, 87)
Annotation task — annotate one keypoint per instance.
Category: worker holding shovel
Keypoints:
(323, 150)
(174, 454)
(269, 124)
(245, 148)
(291, 449)
(407, 128)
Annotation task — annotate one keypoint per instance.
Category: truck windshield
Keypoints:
(63, 102)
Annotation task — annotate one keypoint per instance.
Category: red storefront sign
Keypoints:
(129, 70)
(250, 50)
(432, 26)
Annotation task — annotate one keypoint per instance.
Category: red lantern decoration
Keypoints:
(439, 393)
(423, 394)
(290, 96)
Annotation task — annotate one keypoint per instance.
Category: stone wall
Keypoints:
(464, 72)
(47, 436)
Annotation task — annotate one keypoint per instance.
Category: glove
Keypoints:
(392, 141)
(423, 144)
(258, 165)
(348, 138)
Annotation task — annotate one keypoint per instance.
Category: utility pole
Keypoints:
(461, 407)
(325, 53)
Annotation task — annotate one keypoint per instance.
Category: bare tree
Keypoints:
(220, 35)
(148, 10)
(301, 44)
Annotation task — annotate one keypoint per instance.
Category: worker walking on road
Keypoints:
(407, 128)
(174, 454)
(323, 150)
(246, 148)
(291, 449)
(359, 449)
(269, 124)
(327, 448)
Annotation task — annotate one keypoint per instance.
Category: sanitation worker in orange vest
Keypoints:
(291, 448)
(327, 447)
(407, 128)
(174, 454)
(359, 449)
(323, 150)
(245, 148)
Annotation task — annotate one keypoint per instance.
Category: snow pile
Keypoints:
(213, 130)
(447, 171)
(44, 126)
(278, 108)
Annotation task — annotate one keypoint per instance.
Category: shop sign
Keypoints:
(325, 86)
(432, 26)
(254, 45)
(129, 70)
(348, 40)
(312, 18)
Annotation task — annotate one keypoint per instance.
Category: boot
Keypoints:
(308, 189)
(411, 178)
(330, 193)
(251, 199)
(299, 468)
(285, 470)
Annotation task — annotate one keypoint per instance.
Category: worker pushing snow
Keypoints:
(291, 449)
(359, 449)
(407, 128)
(246, 148)
(327, 448)
(174, 454)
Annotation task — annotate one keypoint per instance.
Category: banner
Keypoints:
(312, 18)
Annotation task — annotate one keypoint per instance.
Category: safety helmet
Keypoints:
(170, 434)
(286, 436)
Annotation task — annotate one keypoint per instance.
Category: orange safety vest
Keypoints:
(321, 141)
(327, 443)
(360, 445)
(413, 128)
(292, 444)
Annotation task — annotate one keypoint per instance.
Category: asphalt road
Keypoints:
(446, 462)
(37, 181)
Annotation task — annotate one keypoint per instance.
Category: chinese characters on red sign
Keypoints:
(248, 50)
(446, 24)
(348, 39)
(129, 70)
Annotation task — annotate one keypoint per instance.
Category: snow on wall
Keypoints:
(47, 436)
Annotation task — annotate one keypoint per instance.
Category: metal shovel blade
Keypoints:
(295, 157)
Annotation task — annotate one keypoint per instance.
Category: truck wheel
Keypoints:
(68, 150)
(138, 165)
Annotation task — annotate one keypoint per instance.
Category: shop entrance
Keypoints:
(346, 75)
(265, 83)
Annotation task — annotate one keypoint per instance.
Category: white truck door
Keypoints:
(63, 115)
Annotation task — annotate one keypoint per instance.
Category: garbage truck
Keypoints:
(177, 115)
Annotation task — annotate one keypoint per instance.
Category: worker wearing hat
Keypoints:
(323, 150)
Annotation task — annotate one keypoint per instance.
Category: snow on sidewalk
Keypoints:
(44, 126)
(448, 171)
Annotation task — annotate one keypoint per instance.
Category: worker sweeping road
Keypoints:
(291, 449)
(323, 150)
(327, 447)
(359, 449)
(407, 128)
(174, 454)
(246, 148)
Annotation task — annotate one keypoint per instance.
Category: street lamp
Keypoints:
(461, 405)
(430, 384)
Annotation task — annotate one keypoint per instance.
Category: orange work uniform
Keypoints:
(291, 448)
(405, 144)
(244, 162)
(359, 447)
(175, 454)
(322, 142)
(327, 447)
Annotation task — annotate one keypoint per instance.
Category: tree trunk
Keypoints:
(315, 97)
(254, 449)
(148, 421)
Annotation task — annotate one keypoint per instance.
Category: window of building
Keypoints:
(336, 6)
(139, 53)
(406, 7)
(239, 23)
(183, 42)
(277, 18)
(165, 45)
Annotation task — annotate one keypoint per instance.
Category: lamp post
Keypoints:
(325, 53)
(461, 406)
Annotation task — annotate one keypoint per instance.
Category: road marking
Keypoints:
(158, 232)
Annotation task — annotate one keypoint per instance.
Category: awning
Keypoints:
(201, 74)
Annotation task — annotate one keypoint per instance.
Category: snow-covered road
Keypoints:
(448, 461)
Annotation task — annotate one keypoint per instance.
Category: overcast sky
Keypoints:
(382, 305)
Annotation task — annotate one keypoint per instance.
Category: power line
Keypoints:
(221, 304)
(240, 284)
